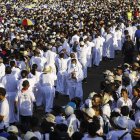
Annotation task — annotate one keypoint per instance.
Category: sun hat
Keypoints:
(50, 118)
(29, 135)
(12, 129)
(69, 110)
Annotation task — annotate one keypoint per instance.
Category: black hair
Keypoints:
(34, 68)
(12, 63)
(93, 127)
(12, 137)
(25, 83)
(2, 91)
(77, 136)
(125, 110)
(34, 138)
(8, 70)
(24, 73)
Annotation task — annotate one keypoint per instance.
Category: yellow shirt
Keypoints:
(129, 15)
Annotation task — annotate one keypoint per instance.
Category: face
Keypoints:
(119, 71)
(1, 97)
(124, 94)
(96, 101)
(135, 93)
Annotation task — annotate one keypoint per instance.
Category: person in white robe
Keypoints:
(65, 45)
(90, 46)
(50, 57)
(71, 120)
(109, 45)
(36, 59)
(75, 37)
(46, 89)
(2, 68)
(130, 31)
(15, 69)
(119, 39)
(9, 82)
(82, 53)
(61, 64)
(75, 76)
(97, 50)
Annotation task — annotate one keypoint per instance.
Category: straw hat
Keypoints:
(47, 69)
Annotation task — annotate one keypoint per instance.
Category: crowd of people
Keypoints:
(47, 47)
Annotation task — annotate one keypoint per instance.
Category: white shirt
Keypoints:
(106, 110)
(121, 103)
(2, 70)
(16, 72)
(10, 83)
(25, 102)
(4, 111)
(48, 79)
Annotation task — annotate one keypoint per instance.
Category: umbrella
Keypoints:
(27, 22)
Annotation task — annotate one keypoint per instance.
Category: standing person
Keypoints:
(137, 36)
(2, 68)
(109, 45)
(46, 88)
(24, 103)
(61, 64)
(82, 57)
(9, 82)
(4, 109)
(128, 50)
(97, 51)
(74, 80)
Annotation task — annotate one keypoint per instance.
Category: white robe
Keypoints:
(90, 46)
(109, 46)
(2, 70)
(47, 90)
(61, 75)
(40, 61)
(82, 57)
(73, 124)
(10, 84)
(50, 59)
(16, 72)
(97, 51)
(119, 40)
(75, 85)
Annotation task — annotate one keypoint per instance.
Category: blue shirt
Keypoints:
(137, 34)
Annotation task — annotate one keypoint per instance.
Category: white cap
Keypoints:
(2, 138)
(69, 110)
(12, 129)
(82, 43)
(90, 112)
(118, 78)
(29, 135)
(50, 118)
(88, 103)
(91, 95)
(106, 72)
